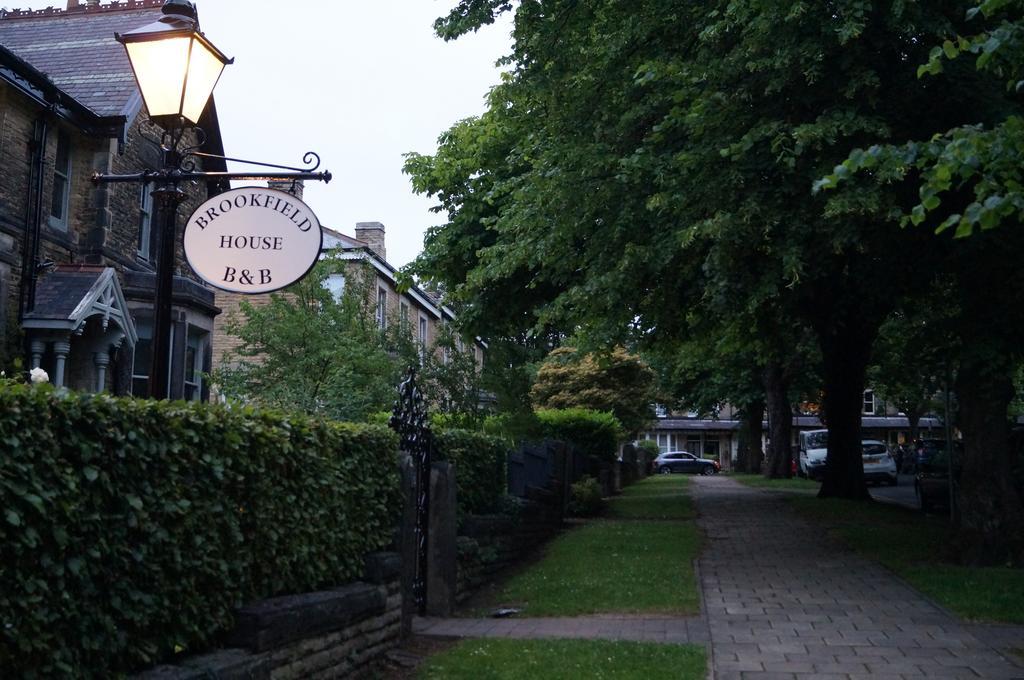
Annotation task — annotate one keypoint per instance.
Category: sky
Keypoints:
(358, 82)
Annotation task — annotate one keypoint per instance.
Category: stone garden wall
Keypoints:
(328, 634)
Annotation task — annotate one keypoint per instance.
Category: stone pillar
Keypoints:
(38, 347)
(102, 360)
(442, 554)
(61, 349)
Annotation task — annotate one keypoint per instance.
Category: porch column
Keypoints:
(38, 347)
(102, 360)
(61, 349)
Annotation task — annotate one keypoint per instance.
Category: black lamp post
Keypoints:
(176, 68)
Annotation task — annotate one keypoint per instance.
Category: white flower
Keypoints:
(38, 375)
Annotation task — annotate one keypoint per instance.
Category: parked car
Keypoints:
(879, 465)
(681, 461)
(931, 482)
(813, 452)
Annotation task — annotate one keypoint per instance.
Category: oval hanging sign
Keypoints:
(252, 240)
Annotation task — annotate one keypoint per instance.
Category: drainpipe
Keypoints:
(33, 218)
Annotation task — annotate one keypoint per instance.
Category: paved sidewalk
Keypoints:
(673, 630)
(783, 601)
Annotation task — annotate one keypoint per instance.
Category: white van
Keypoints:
(813, 452)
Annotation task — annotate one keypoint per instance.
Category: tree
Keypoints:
(453, 381)
(312, 350)
(616, 381)
(636, 150)
(307, 350)
(966, 180)
(914, 355)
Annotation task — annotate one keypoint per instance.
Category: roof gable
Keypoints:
(67, 298)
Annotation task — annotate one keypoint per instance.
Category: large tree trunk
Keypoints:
(845, 353)
(751, 429)
(913, 422)
(991, 519)
(780, 422)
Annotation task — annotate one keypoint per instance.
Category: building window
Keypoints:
(146, 221)
(143, 359)
(403, 315)
(61, 183)
(382, 308)
(335, 285)
(869, 402)
(422, 337)
(194, 356)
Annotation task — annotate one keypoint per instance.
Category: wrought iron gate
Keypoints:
(411, 421)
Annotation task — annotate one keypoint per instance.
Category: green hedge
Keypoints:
(595, 433)
(480, 466)
(131, 528)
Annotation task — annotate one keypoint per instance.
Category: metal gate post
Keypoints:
(410, 421)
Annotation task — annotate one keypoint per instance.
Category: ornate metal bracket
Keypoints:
(180, 164)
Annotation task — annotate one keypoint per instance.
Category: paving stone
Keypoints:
(781, 600)
(832, 614)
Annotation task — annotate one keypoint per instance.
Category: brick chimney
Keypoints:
(293, 187)
(72, 4)
(373, 234)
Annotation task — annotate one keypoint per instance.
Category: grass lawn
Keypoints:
(501, 659)
(913, 545)
(618, 565)
(659, 497)
(760, 481)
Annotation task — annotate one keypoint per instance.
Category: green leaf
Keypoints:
(13, 518)
(90, 473)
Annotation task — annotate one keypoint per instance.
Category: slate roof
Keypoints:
(60, 292)
(76, 49)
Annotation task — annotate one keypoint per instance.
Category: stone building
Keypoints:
(718, 437)
(419, 310)
(77, 258)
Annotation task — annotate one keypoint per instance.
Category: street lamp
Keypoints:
(176, 68)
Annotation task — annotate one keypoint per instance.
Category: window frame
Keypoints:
(382, 307)
(199, 335)
(144, 247)
(403, 315)
(422, 334)
(64, 174)
(864, 402)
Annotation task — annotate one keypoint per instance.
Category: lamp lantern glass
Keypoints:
(175, 66)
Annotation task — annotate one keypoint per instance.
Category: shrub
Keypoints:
(514, 427)
(378, 418)
(131, 529)
(647, 451)
(586, 500)
(480, 463)
(595, 433)
(454, 421)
